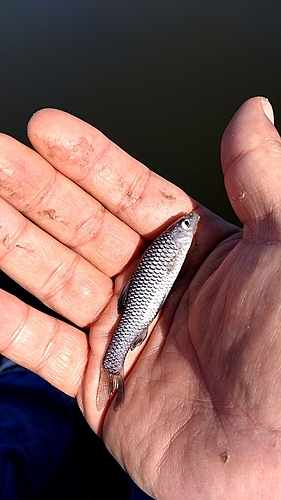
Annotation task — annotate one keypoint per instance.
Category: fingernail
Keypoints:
(267, 108)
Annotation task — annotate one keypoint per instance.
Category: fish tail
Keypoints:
(119, 385)
(108, 383)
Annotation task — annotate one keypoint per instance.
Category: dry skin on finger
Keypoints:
(139, 197)
(53, 273)
(59, 206)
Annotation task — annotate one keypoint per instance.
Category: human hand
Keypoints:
(204, 378)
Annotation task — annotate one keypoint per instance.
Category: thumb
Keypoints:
(251, 163)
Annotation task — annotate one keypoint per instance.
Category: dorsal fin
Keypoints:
(123, 298)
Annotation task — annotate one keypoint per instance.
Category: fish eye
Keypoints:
(185, 223)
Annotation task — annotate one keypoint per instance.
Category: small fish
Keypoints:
(140, 301)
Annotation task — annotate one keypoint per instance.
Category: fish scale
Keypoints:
(141, 300)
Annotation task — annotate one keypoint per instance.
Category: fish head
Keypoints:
(183, 229)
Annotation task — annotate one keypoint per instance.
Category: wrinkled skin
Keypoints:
(202, 413)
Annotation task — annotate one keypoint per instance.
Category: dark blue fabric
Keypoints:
(137, 493)
(47, 450)
(36, 427)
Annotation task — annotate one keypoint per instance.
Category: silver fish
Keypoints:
(140, 301)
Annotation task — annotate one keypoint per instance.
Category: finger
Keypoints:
(59, 206)
(251, 161)
(140, 198)
(52, 349)
(52, 272)
(127, 188)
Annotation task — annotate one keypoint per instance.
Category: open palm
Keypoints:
(201, 416)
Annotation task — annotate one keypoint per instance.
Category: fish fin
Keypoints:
(139, 340)
(123, 298)
(103, 392)
(119, 385)
(161, 305)
(106, 387)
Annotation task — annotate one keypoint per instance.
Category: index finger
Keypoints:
(139, 197)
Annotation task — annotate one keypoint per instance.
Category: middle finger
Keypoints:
(53, 273)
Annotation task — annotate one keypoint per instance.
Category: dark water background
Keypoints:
(160, 78)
